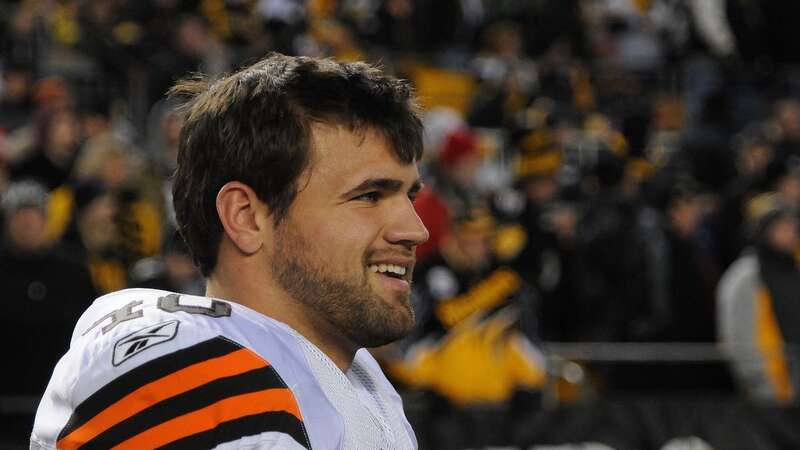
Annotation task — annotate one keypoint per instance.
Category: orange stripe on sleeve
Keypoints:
(186, 379)
(211, 416)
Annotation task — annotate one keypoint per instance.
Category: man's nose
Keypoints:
(406, 227)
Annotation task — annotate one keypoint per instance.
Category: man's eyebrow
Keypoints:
(382, 184)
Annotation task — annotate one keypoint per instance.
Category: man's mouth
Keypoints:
(390, 270)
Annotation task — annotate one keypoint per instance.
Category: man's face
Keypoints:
(783, 236)
(96, 223)
(346, 248)
(475, 247)
(25, 229)
(685, 215)
(542, 189)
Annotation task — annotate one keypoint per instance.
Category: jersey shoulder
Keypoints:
(149, 368)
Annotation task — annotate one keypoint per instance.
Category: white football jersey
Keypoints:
(155, 369)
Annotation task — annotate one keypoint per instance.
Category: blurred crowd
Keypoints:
(596, 170)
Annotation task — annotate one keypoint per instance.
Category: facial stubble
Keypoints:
(348, 303)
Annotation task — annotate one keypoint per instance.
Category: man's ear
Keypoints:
(243, 216)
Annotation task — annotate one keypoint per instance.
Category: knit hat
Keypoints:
(539, 153)
(457, 146)
(763, 210)
(24, 194)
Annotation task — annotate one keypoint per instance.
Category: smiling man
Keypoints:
(294, 191)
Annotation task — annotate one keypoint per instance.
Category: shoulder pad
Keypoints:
(150, 368)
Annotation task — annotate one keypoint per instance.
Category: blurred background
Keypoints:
(612, 195)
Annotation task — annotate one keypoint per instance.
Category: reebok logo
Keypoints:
(143, 339)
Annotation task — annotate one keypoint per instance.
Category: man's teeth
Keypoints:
(383, 268)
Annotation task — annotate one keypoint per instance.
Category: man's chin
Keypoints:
(404, 313)
(393, 326)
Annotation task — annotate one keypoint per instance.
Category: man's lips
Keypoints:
(393, 282)
(397, 268)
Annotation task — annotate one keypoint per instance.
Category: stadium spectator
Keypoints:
(679, 305)
(16, 99)
(191, 48)
(21, 34)
(92, 237)
(397, 22)
(507, 78)
(450, 186)
(113, 164)
(706, 147)
(472, 350)
(754, 155)
(610, 258)
(42, 291)
(51, 161)
(777, 251)
(690, 273)
(757, 306)
(540, 247)
(786, 120)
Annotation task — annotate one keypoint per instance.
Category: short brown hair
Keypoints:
(254, 126)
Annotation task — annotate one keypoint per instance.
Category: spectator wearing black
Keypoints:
(190, 48)
(754, 156)
(43, 295)
(783, 177)
(51, 162)
(610, 259)
(786, 119)
(21, 32)
(706, 146)
(16, 101)
(507, 78)
(544, 230)
(472, 352)
(679, 302)
(776, 251)
(688, 268)
(397, 21)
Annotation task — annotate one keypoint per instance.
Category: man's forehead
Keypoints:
(325, 136)
(336, 147)
(393, 176)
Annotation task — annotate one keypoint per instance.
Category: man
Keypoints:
(453, 175)
(473, 354)
(294, 192)
(756, 304)
(43, 294)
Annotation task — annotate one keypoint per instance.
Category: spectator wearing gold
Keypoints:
(107, 161)
(757, 305)
(92, 237)
(537, 237)
(473, 349)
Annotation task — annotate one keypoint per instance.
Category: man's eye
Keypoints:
(369, 197)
